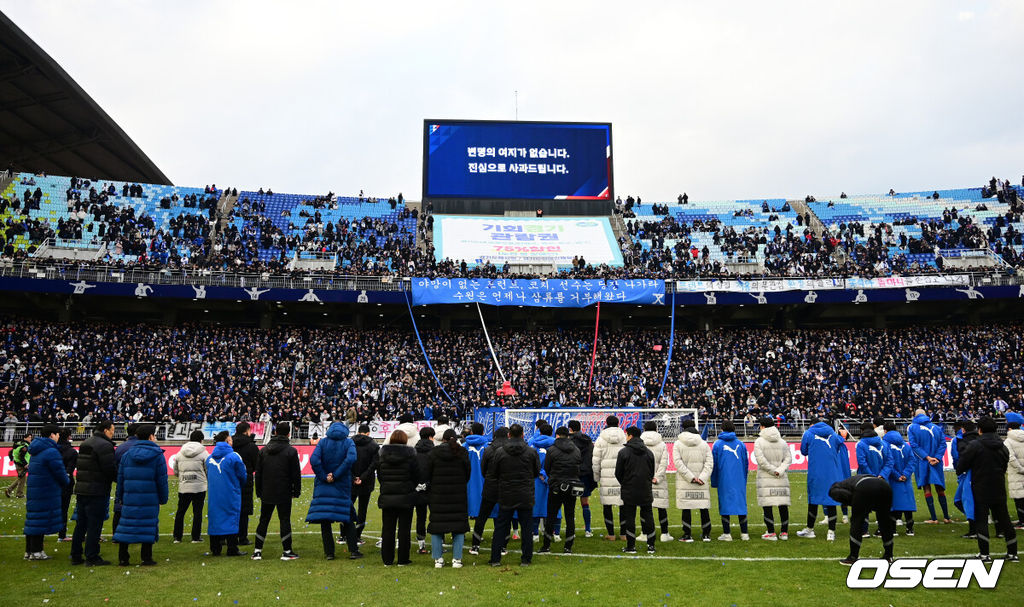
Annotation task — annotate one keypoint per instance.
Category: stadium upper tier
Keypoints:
(157, 226)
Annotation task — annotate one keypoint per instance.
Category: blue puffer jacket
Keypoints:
(46, 479)
(334, 454)
(141, 489)
(225, 476)
(825, 451)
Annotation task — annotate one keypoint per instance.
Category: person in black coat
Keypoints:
(516, 465)
(970, 435)
(562, 467)
(423, 449)
(987, 459)
(449, 471)
(634, 469)
(865, 493)
(489, 494)
(363, 474)
(278, 480)
(70, 457)
(586, 446)
(96, 473)
(244, 445)
(398, 473)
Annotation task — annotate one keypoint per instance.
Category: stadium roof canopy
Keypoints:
(48, 123)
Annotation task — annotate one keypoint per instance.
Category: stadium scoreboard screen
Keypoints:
(560, 167)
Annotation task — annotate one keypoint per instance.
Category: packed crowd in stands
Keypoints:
(201, 372)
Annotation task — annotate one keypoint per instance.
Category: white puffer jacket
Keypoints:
(1015, 471)
(657, 446)
(692, 458)
(189, 466)
(606, 451)
(772, 456)
(411, 431)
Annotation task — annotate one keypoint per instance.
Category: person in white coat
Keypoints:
(440, 428)
(773, 459)
(405, 424)
(606, 452)
(694, 465)
(189, 466)
(1015, 469)
(652, 439)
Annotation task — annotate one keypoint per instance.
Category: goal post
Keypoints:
(592, 420)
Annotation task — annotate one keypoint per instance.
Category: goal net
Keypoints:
(592, 421)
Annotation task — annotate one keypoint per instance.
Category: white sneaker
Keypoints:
(642, 537)
(379, 543)
(725, 537)
(806, 532)
(830, 536)
(705, 539)
(846, 520)
(456, 564)
(769, 537)
(438, 563)
(666, 537)
(899, 522)
(588, 534)
(745, 537)
(784, 536)
(257, 555)
(558, 538)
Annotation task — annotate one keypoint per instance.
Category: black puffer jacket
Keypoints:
(585, 444)
(634, 469)
(515, 466)
(449, 473)
(987, 459)
(562, 463)
(246, 448)
(70, 458)
(423, 449)
(366, 464)
(278, 477)
(399, 473)
(97, 469)
(490, 490)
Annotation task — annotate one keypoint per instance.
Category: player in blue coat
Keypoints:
(964, 496)
(825, 451)
(475, 445)
(225, 477)
(141, 489)
(46, 478)
(929, 444)
(900, 476)
(541, 442)
(872, 456)
(332, 488)
(729, 476)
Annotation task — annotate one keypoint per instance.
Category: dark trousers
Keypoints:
(627, 523)
(92, 509)
(196, 501)
(871, 495)
(361, 502)
(327, 536)
(567, 503)
(830, 512)
(421, 522)
(609, 520)
(116, 519)
(705, 523)
(503, 528)
(1019, 503)
(33, 543)
(741, 518)
(390, 518)
(65, 504)
(1001, 514)
(909, 518)
(146, 553)
(284, 518)
(769, 522)
(480, 523)
(663, 519)
(217, 541)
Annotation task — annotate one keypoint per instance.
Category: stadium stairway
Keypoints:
(619, 228)
(817, 226)
(7, 181)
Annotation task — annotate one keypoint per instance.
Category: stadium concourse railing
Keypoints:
(165, 431)
(306, 280)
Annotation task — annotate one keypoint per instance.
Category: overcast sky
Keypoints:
(722, 100)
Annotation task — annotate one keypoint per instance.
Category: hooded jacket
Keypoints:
(46, 478)
(730, 474)
(490, 488)
(823, 449)
(423, 449)
(398, 473)
(334, 454)
(860, 489)
(246, 448)
(141, 489)
(278, 478)
(927, 439)
(606, 451)
(69, 456)
(516, 465)
(903, 464)
(773, 459)
(225, 476)
(693, 460)
(656, 444)
(97, 469)
(449, 473)
(475, 446)
(634, 470)
(872, 456)
(365, 467)
(1015, 468)
(189, 466)
(586, 446)
(987, 459)
(562, 463)
(541, 443)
